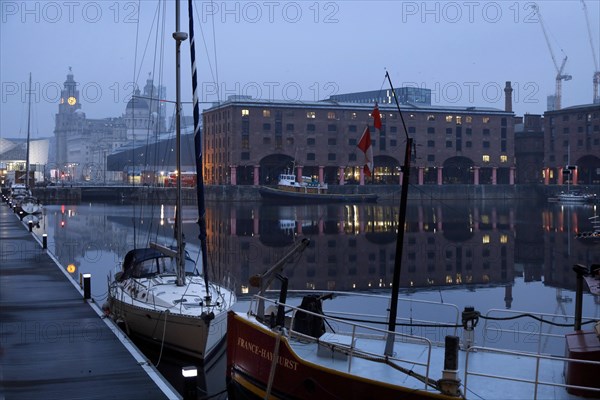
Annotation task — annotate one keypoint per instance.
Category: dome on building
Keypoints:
(136, 102)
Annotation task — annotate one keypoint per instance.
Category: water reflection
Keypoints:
(492, 254)
(352, 246)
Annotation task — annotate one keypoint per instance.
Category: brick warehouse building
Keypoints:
(572, 136)
(249, 142)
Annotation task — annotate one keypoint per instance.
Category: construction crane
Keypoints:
(596, 78)
(559, 70)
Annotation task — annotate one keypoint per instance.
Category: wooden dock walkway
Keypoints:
(53, 344)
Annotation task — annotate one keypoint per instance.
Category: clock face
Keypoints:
(72, 100)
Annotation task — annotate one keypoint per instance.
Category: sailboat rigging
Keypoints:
(21, 196)
(159, 294)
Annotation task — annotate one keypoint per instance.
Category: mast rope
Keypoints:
(198, 148)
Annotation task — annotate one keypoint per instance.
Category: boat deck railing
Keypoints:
(345, 339)
(537, 381)
(538, 330)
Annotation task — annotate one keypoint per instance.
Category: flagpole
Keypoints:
(389, 346)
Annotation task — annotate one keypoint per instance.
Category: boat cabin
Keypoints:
(148, 262)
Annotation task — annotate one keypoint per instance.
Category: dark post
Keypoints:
(389, 346)
(87, 286)
(30, 225)
(580, 270)
(282, 299)
(44, 241)
(190, 375)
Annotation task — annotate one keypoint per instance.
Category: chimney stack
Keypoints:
(508, 97)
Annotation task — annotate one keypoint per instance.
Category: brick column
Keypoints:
(511, 176)
(546, 176)
(560, 176)
(475, 175)
(321, 168)
(421, 171)
(299, 173)
(440, 178)
(575, 175)
(256, 175)
(361, 181)
(233, 172)
(494, 175)
(341, 175)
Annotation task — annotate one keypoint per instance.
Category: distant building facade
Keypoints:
(572, 137)
(251, 141)
(406, 95)
(82, 145)
(529, 148)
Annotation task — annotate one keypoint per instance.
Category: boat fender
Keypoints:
(207, 317)
(470, 318)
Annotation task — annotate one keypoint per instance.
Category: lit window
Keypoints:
(486, 120)
(504, 238)
(485, 239)
(458, 120)
(448, 118)
(503, 158)
(311, 114)
(431, 117)
(331, 115)
(266, 113)
(486, 158)
(245, 112)
(468, 119)
(411, 116)
(353, 115)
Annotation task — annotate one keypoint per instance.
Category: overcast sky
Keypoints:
(464, 51)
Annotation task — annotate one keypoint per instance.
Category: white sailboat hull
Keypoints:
(153, 309)
(183, 333)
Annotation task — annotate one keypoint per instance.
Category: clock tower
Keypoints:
(68, 124)
(69, 96)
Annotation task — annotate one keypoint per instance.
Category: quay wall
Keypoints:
(76, 194)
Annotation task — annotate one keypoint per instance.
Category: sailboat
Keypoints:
(21, 196)
(573, 196)
(296, 349)
(159, 294)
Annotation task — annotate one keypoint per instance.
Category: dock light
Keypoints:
(189, 376)
(87, 286)
(189, 372)
(71, 269)
(45, 241)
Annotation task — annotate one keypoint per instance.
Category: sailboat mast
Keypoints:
(28, 136)
(389, 346)
(198, 153)
(179, 37)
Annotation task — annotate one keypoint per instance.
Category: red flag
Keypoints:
(376, 117)
(365, 146)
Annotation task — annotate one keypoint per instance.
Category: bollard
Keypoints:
(30, 224)
(44, 241)
(87, 286)
(450, 383)
(189, 376)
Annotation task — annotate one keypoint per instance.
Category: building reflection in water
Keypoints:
(352, 246)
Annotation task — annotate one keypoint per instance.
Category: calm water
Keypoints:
(506, 255)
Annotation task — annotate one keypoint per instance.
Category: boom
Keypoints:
(596, 78)
(559, 70)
